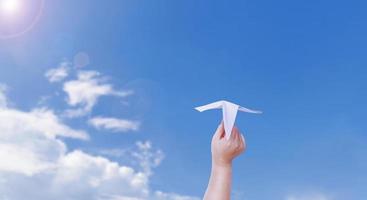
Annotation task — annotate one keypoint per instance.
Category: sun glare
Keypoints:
(19, 16)
(9, 6)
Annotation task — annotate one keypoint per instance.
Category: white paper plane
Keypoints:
(229, 111)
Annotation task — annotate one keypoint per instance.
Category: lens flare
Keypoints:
(18, 17)
(9, 6)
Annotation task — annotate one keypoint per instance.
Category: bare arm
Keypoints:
(223, 152)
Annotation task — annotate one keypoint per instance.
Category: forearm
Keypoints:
(219, 187)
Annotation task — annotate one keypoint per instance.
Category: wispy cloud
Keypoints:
(147, 157)
(114, 124)
(58, 74)
(115, 153)
(310, 196)
(3, 100)
(85, 91)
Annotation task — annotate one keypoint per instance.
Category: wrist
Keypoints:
(221, 169)
(222, 164)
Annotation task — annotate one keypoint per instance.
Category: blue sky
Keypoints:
(301, 62)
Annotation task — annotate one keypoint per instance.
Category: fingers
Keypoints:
(235, 134)
(219, 133)
(238, 138)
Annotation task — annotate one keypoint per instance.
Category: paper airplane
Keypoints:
(229, 111)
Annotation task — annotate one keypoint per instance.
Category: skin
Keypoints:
(223, 153)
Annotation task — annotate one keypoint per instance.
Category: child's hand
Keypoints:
(223, 150)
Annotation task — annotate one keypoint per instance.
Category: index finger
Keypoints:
(219, 133)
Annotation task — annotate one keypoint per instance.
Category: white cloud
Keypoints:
(114, 124)
(86, 90)
(58, 74)
(100, 175)
(29, 141)
(41, 121)
(36, 161)
(78, 175)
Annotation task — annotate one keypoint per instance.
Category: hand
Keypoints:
(223, 150)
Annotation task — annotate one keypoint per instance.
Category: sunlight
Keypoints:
(17, 17)
(10, 6)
